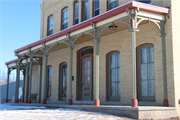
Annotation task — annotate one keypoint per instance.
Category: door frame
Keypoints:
(77, 68)
(60, 79)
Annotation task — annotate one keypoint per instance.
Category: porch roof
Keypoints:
(103, 16)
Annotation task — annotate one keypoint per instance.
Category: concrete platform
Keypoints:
(141, 112)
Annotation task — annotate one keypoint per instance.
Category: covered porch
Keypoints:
(126, 17)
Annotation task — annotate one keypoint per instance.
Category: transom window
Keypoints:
(65, 19)
(96, 7)
(49, 85)
(50, 25)
(86, 10)
(76, 20)
(112, 4)
(114, 90)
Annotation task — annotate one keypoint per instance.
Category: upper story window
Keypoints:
(76, 18)
(112, 4)
(145, 1)
(65, 18)
(96, 7)
(50, 25)
(86, 10)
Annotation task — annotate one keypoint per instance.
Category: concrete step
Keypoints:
(83, 102)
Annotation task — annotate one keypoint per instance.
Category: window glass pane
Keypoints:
(144, 72)
(87, 72)
(76, 21)
(87, 10)
(96, 12)
(112, 75)
(150, 54)
(144, 88)
(113, 89)
(50, 71)
(113, 61)
(77, 10)
(143, 55)
(85, 64)
(151, 71)
(151, 85)
(96, 6)
(118, 60)
(145, 1)
(119, 89)
(87, 80)
(118, 74)
(113, 4)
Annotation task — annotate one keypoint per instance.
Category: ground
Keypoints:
(8, 112)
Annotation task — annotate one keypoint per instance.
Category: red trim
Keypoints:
(136, 68)
(60, 79)
(70, 102)
(48, 23)
(29, 100)
(85, 57)
(134, 103)
(165, 102)
(86, 88)
(16, 101)
(87, 94)
(44, 101)
(39, 101)
(62, 15)
(6, 100)
(96, 102)
(107, 72)
(108, 14)
(92, 8)
(22, 100)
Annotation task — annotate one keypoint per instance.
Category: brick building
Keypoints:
(116, 52)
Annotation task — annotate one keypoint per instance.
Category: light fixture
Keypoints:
(112, 27)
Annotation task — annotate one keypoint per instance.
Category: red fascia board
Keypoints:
(12, 61)
(108, 14)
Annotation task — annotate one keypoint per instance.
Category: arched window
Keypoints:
(113, 76)
(112, 4)
(49, 82)
(85, 10)
(50, 25)
(63, 81)
(146, 76)
(76, 12)
(95, 7)
(64, 18)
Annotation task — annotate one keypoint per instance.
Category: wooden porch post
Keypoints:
(23, 89)
(7, 89)
(70, 72)
(40, 77)
(27, 77)
(45, 78)
(30, 80)
(97, 40)
(163, 36)
(17, 81)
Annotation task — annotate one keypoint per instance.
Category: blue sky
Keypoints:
(19, 26)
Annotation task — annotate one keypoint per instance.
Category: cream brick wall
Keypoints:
(147, 34)
(54, 7)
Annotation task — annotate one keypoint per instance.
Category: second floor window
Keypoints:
(112, 4)
(76, 20)
(145, 1)
(65, 18)
(86, 10)
(50, 25)
(96, 7)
